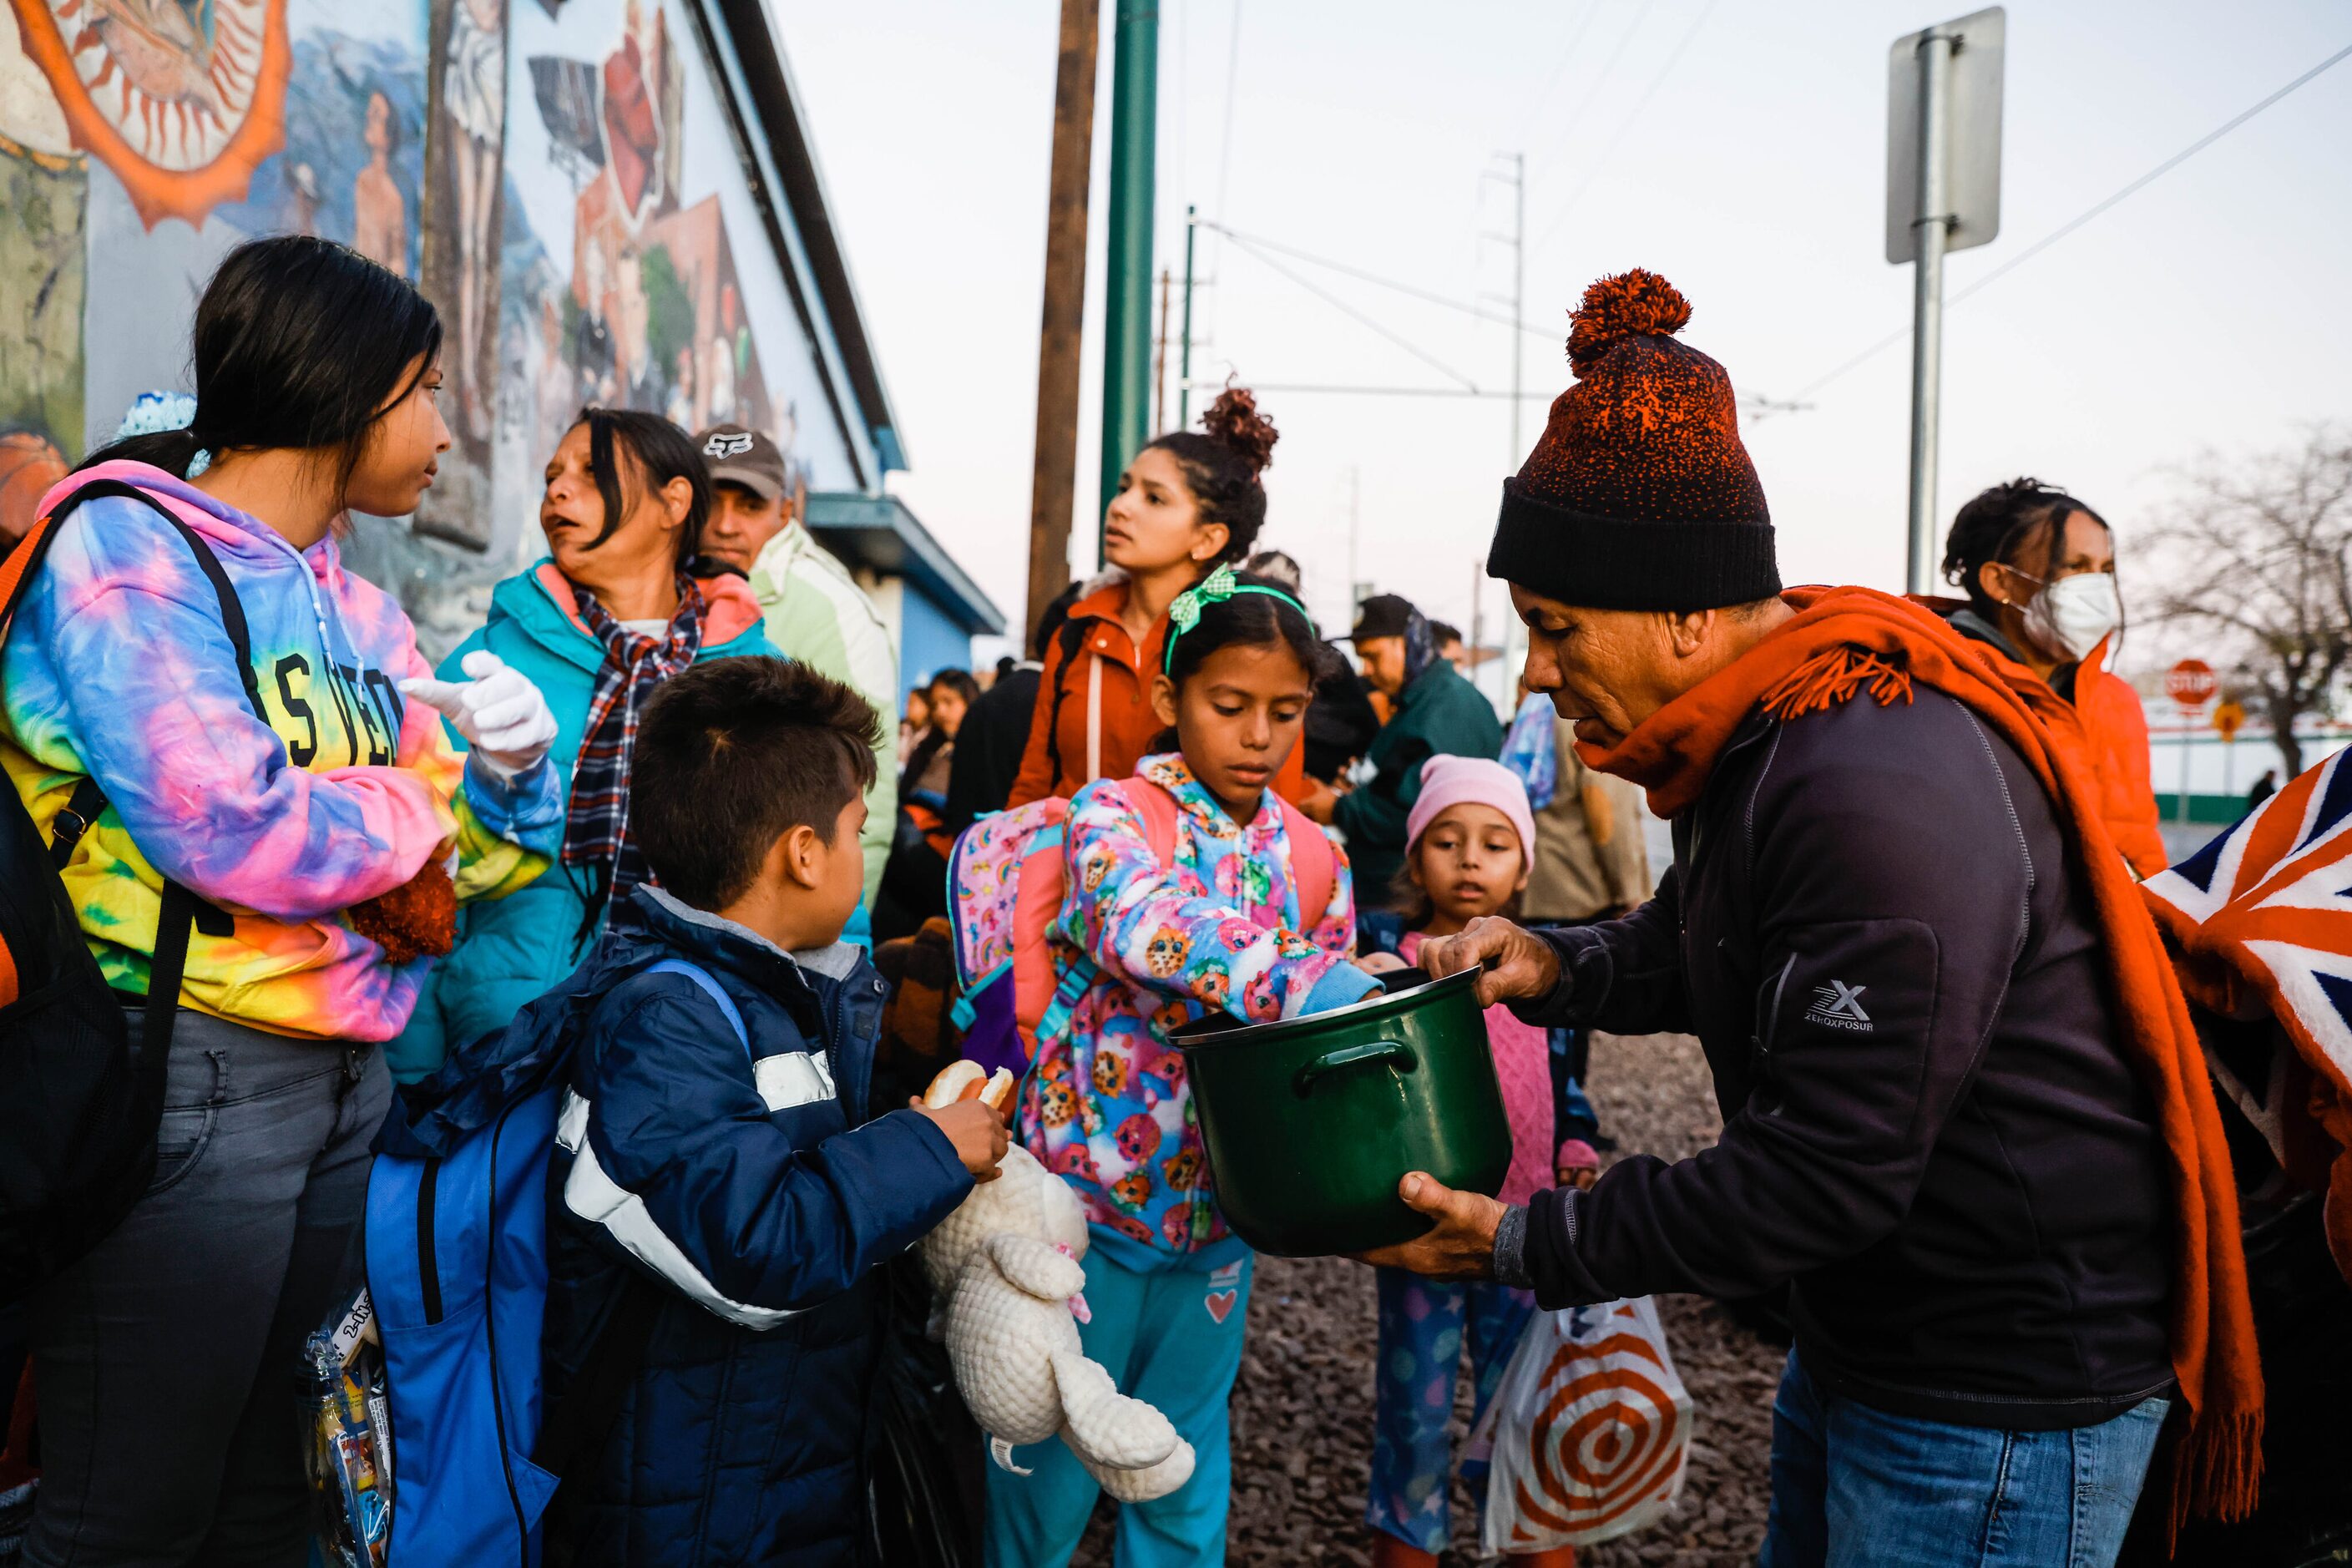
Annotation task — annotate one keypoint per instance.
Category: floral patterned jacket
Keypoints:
(1108, 1107)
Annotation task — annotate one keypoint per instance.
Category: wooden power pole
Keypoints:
(1052, 491)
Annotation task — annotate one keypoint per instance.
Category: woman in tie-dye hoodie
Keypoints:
(323, 841)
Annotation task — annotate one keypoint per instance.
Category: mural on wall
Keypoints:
(563, 179)
(640, 305)
(353, 150)
(41, 280)
(181, 98)
(465, 174)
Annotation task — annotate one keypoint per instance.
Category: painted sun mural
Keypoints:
(181, 98)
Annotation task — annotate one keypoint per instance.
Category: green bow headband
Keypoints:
(1218, 586)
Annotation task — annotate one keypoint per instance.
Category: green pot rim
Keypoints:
(1375, 1005)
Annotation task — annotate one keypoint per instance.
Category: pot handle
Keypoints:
(1395, 1053)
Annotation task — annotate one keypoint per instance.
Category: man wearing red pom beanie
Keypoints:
(1966, 1120)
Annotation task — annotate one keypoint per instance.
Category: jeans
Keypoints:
(167, 1359)
(1171, 1336)
(1854, 1487)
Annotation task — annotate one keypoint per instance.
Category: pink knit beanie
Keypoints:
(1451, 781)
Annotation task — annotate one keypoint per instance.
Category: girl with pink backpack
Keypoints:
(1189, 888)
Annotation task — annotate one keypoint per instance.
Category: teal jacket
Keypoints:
(510, 949)
(1438, 714)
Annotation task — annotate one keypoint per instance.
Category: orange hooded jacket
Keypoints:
(2114, 731)
(1094, 718)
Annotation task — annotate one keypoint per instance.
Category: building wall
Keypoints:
(560, 175)
(929, 640)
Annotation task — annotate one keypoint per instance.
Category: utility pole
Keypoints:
(1184, 359)
(1160, 361)
(1478, 614)
(1943, 193)
(1518, 294)
(1933, 227)
(1052, 496)
(1356, 585)
(1127, 284)
(1518, 240)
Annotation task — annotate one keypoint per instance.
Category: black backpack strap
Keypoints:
(1072, 636)
(231, 611)
(573, 1431)
(181, 911)
(78, 815)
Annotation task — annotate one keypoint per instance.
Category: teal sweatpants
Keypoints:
(1170, 1334)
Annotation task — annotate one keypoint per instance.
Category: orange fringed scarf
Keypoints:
(1846, 641)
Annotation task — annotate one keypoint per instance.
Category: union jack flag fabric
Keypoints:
(2262, 918)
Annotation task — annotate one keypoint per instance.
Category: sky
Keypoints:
(1736, 147)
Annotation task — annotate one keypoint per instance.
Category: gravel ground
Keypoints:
(1303, 1405)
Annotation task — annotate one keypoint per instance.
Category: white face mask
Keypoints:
(2070, 615)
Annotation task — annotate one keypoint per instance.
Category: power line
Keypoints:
(2086, 216)
(1345, 389)
(1232, 80)
(1593, 94)
(1357, 273)
(1353, 313)
(1560, 67)
(1601, 163)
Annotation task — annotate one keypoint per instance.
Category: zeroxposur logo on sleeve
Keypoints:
(1839, 1006)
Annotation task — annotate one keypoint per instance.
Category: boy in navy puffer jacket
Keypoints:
(744, 1186)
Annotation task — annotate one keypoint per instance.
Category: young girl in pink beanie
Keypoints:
(1469, 846)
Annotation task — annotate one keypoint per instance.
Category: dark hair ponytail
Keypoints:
(299, 344)
(1221, 462)
(1997, 524)
(662, 453)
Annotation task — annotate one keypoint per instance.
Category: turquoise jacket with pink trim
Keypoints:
(510, 952)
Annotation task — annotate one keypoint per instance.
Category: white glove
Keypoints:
(502, 715)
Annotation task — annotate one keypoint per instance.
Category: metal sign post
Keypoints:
(1943, 193)
(2191, 684)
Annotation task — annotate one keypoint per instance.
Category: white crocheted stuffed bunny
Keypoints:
(1007, 1286)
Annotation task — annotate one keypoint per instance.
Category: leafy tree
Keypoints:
(2259, 551)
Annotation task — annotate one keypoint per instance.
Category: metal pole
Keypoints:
(1932, 226)
(1518, 291)
(1127, 292)
(1060, 362)
(1519, 347)
(1160, 361)
(2185, 735)
(1355, 588)
(1184, 353)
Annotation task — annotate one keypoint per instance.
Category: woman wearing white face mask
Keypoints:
(2039, 569)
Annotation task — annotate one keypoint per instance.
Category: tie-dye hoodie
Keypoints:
(1109, 1107)
(116, 666)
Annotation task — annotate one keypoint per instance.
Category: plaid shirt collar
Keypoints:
(596, 832)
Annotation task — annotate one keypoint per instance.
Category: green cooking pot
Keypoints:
(1311, 1121)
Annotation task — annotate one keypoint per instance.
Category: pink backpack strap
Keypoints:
(1311, 864)
(1159, 812)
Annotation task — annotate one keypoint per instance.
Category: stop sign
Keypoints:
(2190, 682)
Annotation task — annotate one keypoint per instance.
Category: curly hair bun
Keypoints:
(1233, 421)
(1634, 303)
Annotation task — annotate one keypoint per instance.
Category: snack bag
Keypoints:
(1591, 1431)
(350, 1450)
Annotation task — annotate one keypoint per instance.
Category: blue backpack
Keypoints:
(456, 1269)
